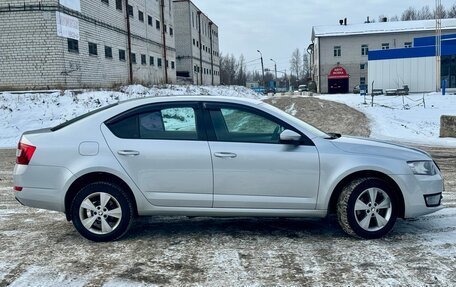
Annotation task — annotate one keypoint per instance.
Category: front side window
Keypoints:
(175, 123)
(236, 125)
(337, 51)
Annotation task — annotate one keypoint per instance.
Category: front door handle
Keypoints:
(128, 152)
(225, 155)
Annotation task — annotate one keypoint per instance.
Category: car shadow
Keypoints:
(243, 227)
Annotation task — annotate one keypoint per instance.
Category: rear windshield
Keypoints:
(72, 121)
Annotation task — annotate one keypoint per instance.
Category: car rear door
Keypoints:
(252, 168)
(164, 150)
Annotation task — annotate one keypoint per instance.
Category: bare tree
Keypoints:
(452, 11)
(305, 66)
(440, 12)
(409, 14)
(241, 77)
(296, 62)
(425, 13)
(395, 18)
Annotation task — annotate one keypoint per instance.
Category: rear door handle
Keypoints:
(225, 155)
(128, 152)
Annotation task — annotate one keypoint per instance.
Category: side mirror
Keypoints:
(288, 136)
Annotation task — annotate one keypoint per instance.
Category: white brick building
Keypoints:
(197, 45)
(341, 52)
(96, 54)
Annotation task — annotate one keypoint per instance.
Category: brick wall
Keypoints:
(34, 57)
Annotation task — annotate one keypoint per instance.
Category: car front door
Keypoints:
(252, 168)
(164, 150)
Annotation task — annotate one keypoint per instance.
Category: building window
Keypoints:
(364, 50)
(143, 60)
(172, 65)
(362, 66)
(140, 16)
(157, 24)
(197, 44)
(151, 61)
(73, 45)
(385, 46)
(108, 52)
(171, 31)
(337, 51)
(194, 42)
(159, 62)
(362, 80)
(130, 11)
(121, 55)
(408, 45)
(93, 49)
(167, 64)
(119, 5)
(165, 29)
(133, 58)
(149, 20)
(105, 1)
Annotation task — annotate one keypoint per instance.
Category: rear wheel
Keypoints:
(367, 208)
(101, 211)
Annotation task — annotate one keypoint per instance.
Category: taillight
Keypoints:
(24, 153)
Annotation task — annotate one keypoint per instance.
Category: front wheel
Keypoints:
(367, 208)
(101, 211)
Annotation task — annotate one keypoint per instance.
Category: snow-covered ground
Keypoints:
(413, 118)
(405, 119)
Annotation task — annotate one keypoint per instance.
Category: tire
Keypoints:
(102, 211)
(367, 208)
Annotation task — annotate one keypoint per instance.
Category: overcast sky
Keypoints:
(278, 27)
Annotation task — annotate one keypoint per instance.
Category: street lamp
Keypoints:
(275, 68)
(262, 66)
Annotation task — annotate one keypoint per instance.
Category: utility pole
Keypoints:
(275, 69)
(262, 67)
(130, 66)
(438, 44)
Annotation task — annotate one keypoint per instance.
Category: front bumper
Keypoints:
(422, 194)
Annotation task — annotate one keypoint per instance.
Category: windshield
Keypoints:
(72, 121)
(316, 132)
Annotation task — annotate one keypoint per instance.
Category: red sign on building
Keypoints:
(338, 73)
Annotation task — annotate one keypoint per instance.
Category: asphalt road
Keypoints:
(40, 248)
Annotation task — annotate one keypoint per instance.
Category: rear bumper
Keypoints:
(42, 186)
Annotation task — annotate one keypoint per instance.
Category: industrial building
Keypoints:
(50, 44)
(390, 54)
(197, 45)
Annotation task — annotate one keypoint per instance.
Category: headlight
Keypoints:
(423, 167)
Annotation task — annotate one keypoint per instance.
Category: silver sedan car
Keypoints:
(217, 156)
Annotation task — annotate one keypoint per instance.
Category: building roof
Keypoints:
(380, 27)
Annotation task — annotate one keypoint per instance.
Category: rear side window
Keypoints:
(177, 123)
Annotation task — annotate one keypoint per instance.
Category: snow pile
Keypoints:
(413, 118)
(29, 111)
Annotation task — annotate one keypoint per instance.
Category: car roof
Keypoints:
(205, 98)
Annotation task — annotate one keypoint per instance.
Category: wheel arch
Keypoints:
(366, 173)
(95, 177)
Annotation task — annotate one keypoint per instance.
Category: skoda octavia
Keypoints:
(217, 156)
